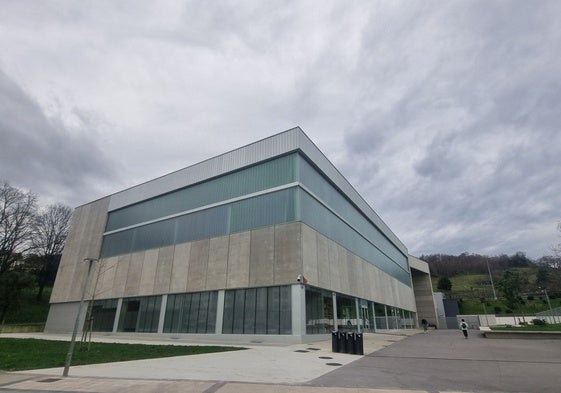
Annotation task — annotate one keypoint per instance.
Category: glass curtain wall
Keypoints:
(246, 181)
(381, 319)
(183, 216)
(319, 311)
(191, 313)
(258, 311)
(140, 314)
(103, 315)
(346, 314)
(367, 316)
(264, 210)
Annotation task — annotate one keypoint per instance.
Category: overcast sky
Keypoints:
(444, 115)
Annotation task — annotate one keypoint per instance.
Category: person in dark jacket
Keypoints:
(425, 324)
(464, 327)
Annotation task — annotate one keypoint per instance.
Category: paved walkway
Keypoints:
(441, 361)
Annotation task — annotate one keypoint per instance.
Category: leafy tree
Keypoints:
(444, 284)
(17, 210)
(510, 285)
(553, 262)
(519, 260)
(50, 229)
(542, 276)
(12, 282)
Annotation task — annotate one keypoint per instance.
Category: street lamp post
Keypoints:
(491, 279)
(547, 298)
(549, 304)
(77, 322)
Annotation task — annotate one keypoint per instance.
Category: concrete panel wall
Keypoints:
(288, 253)
(180, 268)
(334, 271)
(83, 241)
(148, 275)
(324, 272)
(132, 287)
(198, 264)
(238, 260)
(422, 285)
(262, 257)
(163, 270)
(103, 278)
(309, 254)
(120, 282)
(62, 317)
(216, 277)
(339, 270)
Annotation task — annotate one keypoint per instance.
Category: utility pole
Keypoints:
(491, 278)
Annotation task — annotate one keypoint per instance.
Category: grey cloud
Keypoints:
(442, 161)
(474, 125)
(43, 155)
(442, 115)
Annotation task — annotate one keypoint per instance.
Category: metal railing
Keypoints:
(550, 316)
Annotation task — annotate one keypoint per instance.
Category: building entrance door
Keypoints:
(365, 316)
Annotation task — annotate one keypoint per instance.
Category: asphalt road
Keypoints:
(442, 360)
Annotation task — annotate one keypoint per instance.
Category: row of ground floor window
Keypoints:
(280, 310)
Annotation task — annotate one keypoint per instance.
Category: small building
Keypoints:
(265, 242)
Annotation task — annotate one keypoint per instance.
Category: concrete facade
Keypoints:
(424, 297)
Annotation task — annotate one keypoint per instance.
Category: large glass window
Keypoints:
(191, 313)
(326, 210)
(258, 311)
(103, 315)
(330, 196)
(260, 177)
(140, 314)
(346, 314)
(324, 221)
(264, 210)
(319, 311)
(381, 319)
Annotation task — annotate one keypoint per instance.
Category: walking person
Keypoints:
(464, 327)
(425, 324)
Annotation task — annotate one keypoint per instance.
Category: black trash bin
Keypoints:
(359, 344)
(351, 340)
(344, 343)
(335, 342)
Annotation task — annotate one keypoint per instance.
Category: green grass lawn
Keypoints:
(534, 328)
(29, 354)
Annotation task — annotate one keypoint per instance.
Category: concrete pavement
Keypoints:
(444, 361)
(440, 361)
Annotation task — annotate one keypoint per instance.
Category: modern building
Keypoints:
(265, 242)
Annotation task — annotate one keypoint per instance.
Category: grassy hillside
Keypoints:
(476, 294)
(30, 310)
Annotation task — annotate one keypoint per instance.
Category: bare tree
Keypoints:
(50, 229)
(17, 210)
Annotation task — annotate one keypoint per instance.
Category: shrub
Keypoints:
(530, 297)
(537, 321)
(497, 309)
